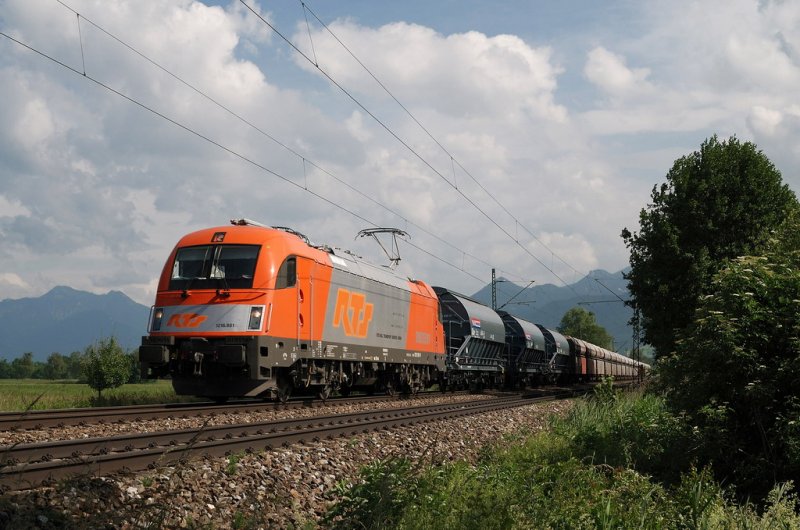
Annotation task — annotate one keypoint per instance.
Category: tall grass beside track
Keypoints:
(613, 462)
(38, 394)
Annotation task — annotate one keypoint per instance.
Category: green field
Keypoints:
(39, 394)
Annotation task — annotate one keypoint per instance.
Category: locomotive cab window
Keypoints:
(214, 267)
(287, 274)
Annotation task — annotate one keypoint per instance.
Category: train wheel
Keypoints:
(390, 389)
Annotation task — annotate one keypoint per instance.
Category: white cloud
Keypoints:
(355, 126)
(12, 208)
(610, 72)
(12, 286)
(249, 26)
(34, 124)
(573, 248)
(459, 74)
(764, 121)
(9, 278)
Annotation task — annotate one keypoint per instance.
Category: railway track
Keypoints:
(41, 419)
(25, 466)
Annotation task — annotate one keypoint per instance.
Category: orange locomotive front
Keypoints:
(249, 310)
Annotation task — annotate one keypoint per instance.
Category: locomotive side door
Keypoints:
(305, 303)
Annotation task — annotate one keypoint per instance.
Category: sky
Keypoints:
(518, 135)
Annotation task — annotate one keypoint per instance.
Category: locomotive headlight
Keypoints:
(256, 312)
(158, 314)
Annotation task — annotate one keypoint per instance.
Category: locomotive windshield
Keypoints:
(214, 267)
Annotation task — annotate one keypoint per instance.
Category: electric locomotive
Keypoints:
(255, 311)
(248, 310)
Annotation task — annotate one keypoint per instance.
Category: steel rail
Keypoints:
(120, 453)
(59, 449)
(40, 419)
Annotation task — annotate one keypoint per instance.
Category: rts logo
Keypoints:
(353, 312)
(186, 320)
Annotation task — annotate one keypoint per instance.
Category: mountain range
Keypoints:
(66, 320)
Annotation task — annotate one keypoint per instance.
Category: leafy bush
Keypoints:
(377, 500)
(734, 372)
(632, 430)
(105, 365)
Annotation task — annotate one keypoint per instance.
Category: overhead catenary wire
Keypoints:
(175, 122)
(445, 150)
(80, 38)
(305, 160)
(222, 147)
(308, 27)
(400, 140)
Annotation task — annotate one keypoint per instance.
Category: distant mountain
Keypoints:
(599, 292)
(65, 320)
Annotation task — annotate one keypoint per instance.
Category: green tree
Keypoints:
(135, 375)
(74, 363)
(105, 365)
(735, 370)
(23, 367)
(581, 324)
(5, 370)
(56, 367)
(718, 203)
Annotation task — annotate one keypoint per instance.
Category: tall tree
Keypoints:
(718, 203)
(23, 367)
(56, 367)
(735, 369)
(5, 370)
(581, 324)
(134, 367)
(74, 363)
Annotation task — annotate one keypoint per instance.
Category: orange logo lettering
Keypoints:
(353, 312)
(186, 320)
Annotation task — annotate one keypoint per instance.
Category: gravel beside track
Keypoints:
(74, 432)
(282, 488)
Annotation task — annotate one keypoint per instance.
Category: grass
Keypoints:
(19, 394)
(610, 464)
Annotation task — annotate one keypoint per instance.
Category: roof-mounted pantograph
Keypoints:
(393, 253)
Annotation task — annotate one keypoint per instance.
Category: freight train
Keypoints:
(248, 310)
